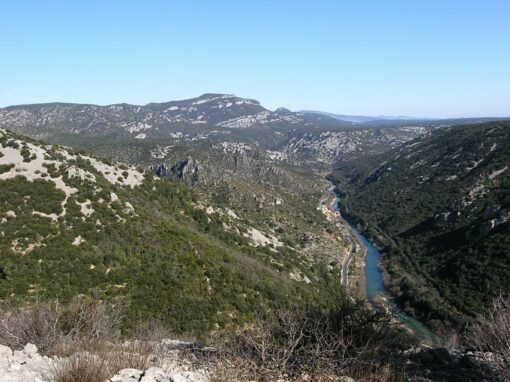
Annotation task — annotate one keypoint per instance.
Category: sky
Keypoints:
(422, 58)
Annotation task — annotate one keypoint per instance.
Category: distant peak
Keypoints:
(283, 111)
(217, 96)
(208, 95)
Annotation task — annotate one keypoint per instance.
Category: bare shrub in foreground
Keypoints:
(38, 325)
(152, 331)
(491, 335)
(49, 324)
(91, 318)
(353, 341)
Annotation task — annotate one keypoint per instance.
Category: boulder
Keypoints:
(127, 375)
(30, 350)
(156, 374)
(187, 376)
(5, 351)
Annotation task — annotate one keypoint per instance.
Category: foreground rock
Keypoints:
(439, 364)
(28, 365)
(156, 374)
(176, 365)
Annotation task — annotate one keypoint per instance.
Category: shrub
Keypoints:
(5, 168)
(350, 341)
(37, 325)
(51, 327)
(491, 336)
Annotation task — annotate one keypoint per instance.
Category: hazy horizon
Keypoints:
(424, 60)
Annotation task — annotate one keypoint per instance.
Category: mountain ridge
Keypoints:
(293, 137)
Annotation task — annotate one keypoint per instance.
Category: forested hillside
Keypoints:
(72, 225)
(440, 209)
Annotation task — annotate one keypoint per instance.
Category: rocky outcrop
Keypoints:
(442, 219)
(187, 170)
(160, 170)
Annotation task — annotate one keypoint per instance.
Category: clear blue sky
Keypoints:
(436, 58)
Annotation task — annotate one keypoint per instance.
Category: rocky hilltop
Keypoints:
(209, 111)
(294, 137)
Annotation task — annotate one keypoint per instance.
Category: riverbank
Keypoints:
(352, 265)
(372, 277)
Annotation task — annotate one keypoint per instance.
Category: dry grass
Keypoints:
(96, 361)
(82, 368)
(85, 332)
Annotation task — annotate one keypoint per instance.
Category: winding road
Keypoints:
(356, 245)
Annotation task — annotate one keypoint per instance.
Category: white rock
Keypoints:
(127, 375)
(155, 374)
(30, 349)
(187, 376)
(113, 197)
(176, 344)
(5, 351)
(78, 240)
(18, 357)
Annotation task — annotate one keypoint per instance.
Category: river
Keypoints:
(375, 286)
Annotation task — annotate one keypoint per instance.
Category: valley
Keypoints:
(254, 191)
(213, 213)
(251, 165)
(438, 205)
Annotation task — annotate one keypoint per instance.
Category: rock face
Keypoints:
(187, 170)
(328, 147)
(160, 170)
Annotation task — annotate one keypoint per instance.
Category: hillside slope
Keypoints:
(72, 224)
(440, 208)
